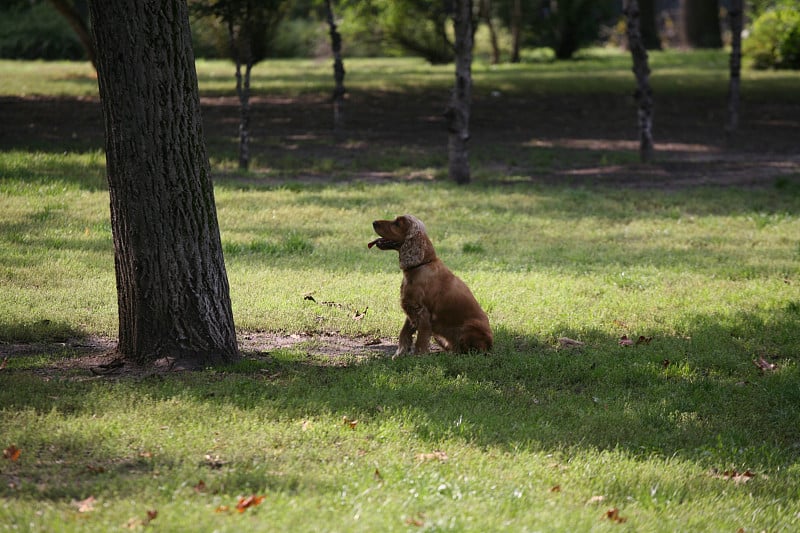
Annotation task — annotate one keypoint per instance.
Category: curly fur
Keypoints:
(415, 245)
(436, 302)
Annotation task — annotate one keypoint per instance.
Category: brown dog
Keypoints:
(436, 302)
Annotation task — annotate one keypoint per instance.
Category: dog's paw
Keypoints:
(401, 351)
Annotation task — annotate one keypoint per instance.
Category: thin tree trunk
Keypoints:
(172, 287)
(242, 48)
(516, 30)
(457, 113)
(486, 13)
(736, 19)
(338, 70)
(644, 94)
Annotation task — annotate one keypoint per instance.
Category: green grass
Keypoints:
(674, 72)
(710, 274)
(528, 438)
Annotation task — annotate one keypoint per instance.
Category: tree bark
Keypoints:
(457, 113)
(486, 14)
(338, 70)
(241, 48)
(172, 287)
(641, 69)
(736, 15)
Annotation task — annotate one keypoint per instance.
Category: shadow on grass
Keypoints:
(697, 395)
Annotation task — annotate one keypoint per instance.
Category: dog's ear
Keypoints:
(417, 247)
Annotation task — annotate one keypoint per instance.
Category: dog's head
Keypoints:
(407, 235)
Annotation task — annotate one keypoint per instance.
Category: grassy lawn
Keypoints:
(695, 428)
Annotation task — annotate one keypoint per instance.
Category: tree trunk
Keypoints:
(338, 70)
(486, 14)
(701, 23)
(457, 113)
(644, 94)
(516, 30)
(736, 17)
(172, 287)
(241, 49)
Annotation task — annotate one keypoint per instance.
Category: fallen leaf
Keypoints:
(566, 342)
(613, 515)
(213, 461)
(85, 506)
(595, 499)
(736, 476)
(665, 363)
(433, 456)
(349, 423)
(200, 487)
(95, 469)
(151, 515)
(249, 501)
(377, 475)
(222, 509)
(764, 365)
(3, 364)
(625, 341)
(12, 453)
(416, 521)
(556, 488)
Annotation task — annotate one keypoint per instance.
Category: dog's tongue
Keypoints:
(384, 244)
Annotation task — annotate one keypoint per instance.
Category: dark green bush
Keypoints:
(37, 32)
(774, 40)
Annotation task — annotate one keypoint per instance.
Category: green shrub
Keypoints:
(37, 32)
(774, 40)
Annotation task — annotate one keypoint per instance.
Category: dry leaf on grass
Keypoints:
(566, 342)
(626, 341)
(12, 453)
(433, 456)
(764, 366)
(595, 500)
(247, 502)
(86, 505)
(613, 515)
(736, 476)
(349, 423)
(416, 521)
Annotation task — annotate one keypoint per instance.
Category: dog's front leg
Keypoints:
(424, 332)
(406, 338)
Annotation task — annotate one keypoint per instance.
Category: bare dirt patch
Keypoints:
(95, 356)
